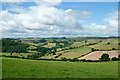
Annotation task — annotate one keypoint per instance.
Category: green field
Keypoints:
(82, 43)
(49, 45)
(21, 68)
(32, 47)
(16, 54)
(75, 53)
(5, 53)
(104, 46)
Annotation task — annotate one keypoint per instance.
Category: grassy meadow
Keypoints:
(21, 68)
(74, 53)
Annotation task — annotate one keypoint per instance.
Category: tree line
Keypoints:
(9, 45)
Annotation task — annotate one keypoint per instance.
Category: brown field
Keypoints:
(97, 54)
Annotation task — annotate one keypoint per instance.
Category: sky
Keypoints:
(58, 19)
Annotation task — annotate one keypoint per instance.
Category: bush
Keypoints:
(95, 60)
(89, 61)
(118, 58)
(104, 57)
(92, 49)
(113, 49)
(83, 60)
(62, 49)
(114, 59)
(64, 59)
(69, 59)
(108, 43)
(57, 56)
(75, 59)
(70, 47)
(34, 56)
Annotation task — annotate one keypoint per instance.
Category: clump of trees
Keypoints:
(57, 55)
(108, 43)
(104, 57)
(47, 51)
(39, 41)
(114, 59)
(9, 45)
(92, 49)
(65, 43)
(34, 56)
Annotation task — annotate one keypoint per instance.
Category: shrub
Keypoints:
(113, 49)
(83, 60)
(62, 49)
(104, 57)
(64, 59)
(75, 59)
(95, 60)
(82, 55)
(118, 58)
(57, 56)
(88, 60)
(69, 59)
(70, 47)
(108, 43)
(54, 53)
(114, 59)
(34, 56)
(92, 49)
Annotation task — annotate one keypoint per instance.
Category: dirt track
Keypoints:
(97, 54)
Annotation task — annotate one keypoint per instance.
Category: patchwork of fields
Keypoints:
(78, 48)
(58, 49)
(104, 46)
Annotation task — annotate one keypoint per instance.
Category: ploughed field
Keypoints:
(24, 68)
(97, 54)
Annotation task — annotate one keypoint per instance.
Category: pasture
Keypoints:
(49, 45)
(104, 46)
(21, 68)
(75, 53)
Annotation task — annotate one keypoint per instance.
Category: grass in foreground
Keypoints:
(21, 68)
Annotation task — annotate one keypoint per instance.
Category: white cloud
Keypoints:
(47, 21)
(112, 19)
(111, 29)
(39, 20)
(77, 13)
(16, 9)
(48, 2)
